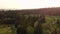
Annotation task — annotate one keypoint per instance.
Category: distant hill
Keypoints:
(41, 11)
(44, 11)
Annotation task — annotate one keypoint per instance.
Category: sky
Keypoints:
(28, 4)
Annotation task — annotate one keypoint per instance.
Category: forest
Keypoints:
(19, 22)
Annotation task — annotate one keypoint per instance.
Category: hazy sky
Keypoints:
(28, 4)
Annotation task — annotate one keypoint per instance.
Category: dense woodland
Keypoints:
(26, 22)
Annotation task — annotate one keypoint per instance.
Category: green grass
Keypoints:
(4, 29)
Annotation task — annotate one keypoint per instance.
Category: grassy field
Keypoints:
(4, 29)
